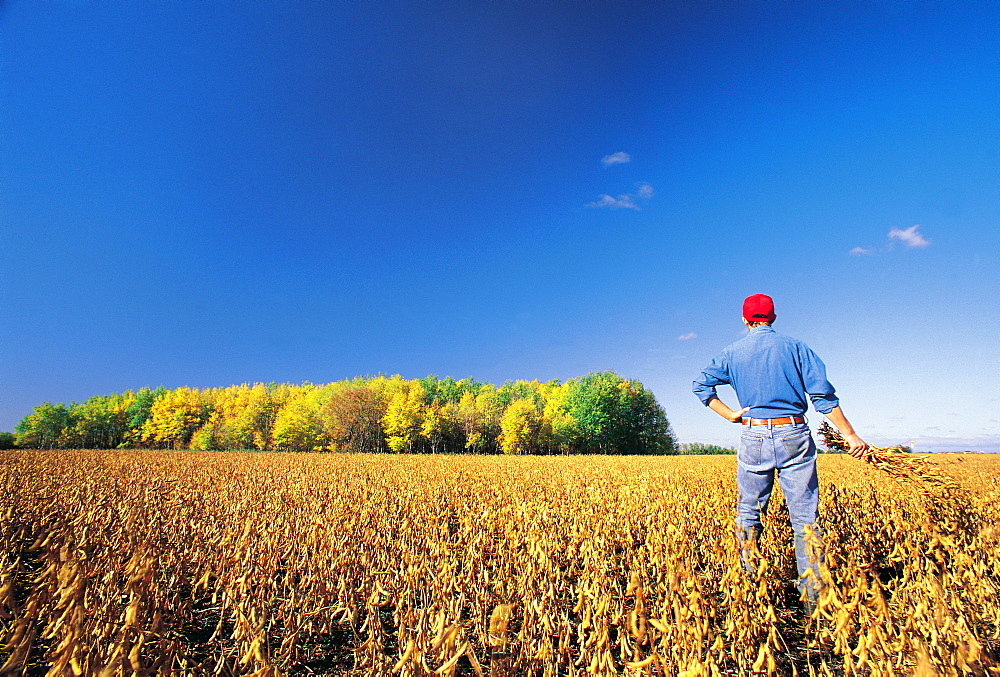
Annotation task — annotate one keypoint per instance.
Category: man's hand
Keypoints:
(717, 405)
(858, 446)
(737, 416)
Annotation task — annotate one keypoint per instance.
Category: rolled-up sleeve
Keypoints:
(715, 374)
(819, 389)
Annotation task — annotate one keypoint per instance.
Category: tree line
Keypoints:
(601, 413)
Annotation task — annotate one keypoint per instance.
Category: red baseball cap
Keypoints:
(758, 308)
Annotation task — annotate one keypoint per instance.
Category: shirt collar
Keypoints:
(764, 328)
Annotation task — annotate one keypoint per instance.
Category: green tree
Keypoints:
(98, 423)
(447, 390)
(698, 448)
(42, 428)
(615, 416)
(138, 410)
(644, 423)
(519, 390)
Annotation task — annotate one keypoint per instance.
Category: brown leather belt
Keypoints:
(788, 420)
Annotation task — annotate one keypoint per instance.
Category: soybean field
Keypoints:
(207, 563)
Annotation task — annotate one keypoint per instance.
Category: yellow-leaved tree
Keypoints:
(440, 428)
(519, 427)
(557, 429)
(298, 426)
(243, 415)
(175, 416)
(203, 439)
(404, 418)
(489, 409)
(466, 417)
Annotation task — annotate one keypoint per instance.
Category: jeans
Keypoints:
(789, 451)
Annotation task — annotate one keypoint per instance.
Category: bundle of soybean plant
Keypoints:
(896, 461)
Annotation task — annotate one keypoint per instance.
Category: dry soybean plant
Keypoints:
(185, 563)
(896, 462)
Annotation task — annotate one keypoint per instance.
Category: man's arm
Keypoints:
(717, 405)
(715, 374)
(858, 445)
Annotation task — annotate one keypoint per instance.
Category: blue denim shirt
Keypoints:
(771, 374)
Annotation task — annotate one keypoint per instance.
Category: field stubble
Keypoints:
(122, 563)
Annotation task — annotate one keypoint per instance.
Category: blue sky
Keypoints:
(208, 193)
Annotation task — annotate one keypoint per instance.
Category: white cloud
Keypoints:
(644, 191)
(618, 158)
(687, 337)
(620, 202)
(909, 236)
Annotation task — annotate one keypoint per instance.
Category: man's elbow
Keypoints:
(825, 407)
(704, 393)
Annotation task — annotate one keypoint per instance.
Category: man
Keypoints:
(772, 375)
